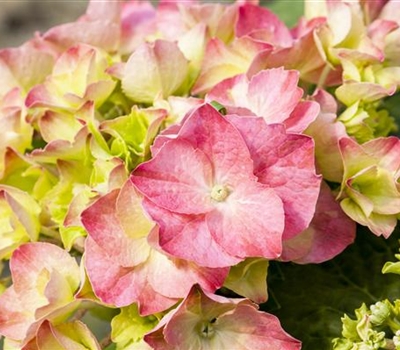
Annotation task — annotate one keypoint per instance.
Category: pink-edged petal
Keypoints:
(155, 285)
(326, 132)
(121, 286)
(130, 213)
(137, 21)
(38, 270)
(273, 94)
(302, 116)
(29, 260)
(284, 162)
(218, 18)
(96, 33)
(231, 92)
(58, 292)
(379, 187)
(222, 61)
(249, 223)
(29, 66)
(40, 96)
(101, 221)
(262, 24)
(178, 178)
(210, 132)
(378, 31)
(250, 329)
(174, 277)
(14, 318)
(154, 69)
(53, 125)
(386, 150)
(329, 233)
(327, 102)
(149, 277)
(355, 158)
(188, 237)
(307, 56)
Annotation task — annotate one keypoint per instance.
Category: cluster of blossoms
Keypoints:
(154, 160)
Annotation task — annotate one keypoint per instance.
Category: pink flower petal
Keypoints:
(326, 131)
(117, 285)
(262, 24)
(31, 258)
(188, 237)
(15, 319)
(103, 226)
(29, 66)
(100, 27)
(329, 233)
(272, 94)
(249, 223)
(138, 19)
(232, 93)
(178, 178)
(307, 56)
(225, 61)
(284, 162)
(154, 70)
(302, 116)
(387, 151)
(210, 132)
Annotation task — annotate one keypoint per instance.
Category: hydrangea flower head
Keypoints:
(45, 278)
(206, 321)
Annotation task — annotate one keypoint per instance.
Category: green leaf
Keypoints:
(310, 300)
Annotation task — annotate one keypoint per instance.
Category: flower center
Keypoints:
(219, 193)
(207, 329)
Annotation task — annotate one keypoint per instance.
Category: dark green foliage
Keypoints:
(311, 299)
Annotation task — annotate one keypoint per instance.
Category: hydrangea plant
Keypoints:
(192, 176)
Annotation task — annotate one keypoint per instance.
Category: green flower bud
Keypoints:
(380, 312)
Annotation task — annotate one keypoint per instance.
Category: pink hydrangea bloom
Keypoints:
(207, 321)
(45, 278)
(123, 260)
(272, 94)
(197, 183)
(203, 181)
